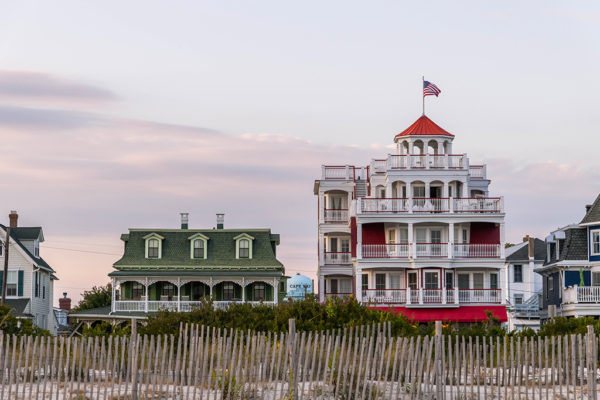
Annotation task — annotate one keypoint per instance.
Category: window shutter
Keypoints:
(20, 284)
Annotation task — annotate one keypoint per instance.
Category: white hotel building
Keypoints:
(416, 231)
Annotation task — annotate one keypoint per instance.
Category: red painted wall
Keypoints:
(485, 232)
(353, 239)
(373, 233)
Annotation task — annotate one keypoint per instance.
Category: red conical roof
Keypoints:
(424, 126)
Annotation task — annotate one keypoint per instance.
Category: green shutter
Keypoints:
(20, 284)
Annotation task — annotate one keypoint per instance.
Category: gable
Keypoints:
(593, 214)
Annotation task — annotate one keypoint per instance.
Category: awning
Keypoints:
(460, 314)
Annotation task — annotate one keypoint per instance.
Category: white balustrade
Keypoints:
(479, 296)
(476, 171)
(472, 250)
(431, 296)
(398, 161)
(392, 250)
(338, 258)
(379, 166)
(384, 296)
(335, 216)
(437, 161)
(417, 161)
(398, 205)
(432, 249)
(456, 161)
(338, 295)
(129, 305)
(478, 205)
(588, 294)
(430, 205)
(337, 172)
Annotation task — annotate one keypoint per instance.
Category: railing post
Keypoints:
(456, 294)
(427, 161)
(408, 296)
(446, 160)
(451, 205)
(575, 294)
(420, 295)
(444, 297)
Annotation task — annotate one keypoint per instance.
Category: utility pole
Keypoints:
(5, 274)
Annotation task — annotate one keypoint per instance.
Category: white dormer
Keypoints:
(243, 246)
(153, 245)
(198, 246)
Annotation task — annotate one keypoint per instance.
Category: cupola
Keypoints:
(424, 137)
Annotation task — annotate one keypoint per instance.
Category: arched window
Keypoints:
(198, 248)
(153, 248)
(244, 248)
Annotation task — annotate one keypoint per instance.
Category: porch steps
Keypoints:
(360, 188)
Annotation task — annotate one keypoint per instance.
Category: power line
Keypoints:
(81, 251)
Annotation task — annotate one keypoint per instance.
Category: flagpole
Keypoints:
(422, 86)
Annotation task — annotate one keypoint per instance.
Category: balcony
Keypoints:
(431, 250)
(344, 172)
(581, 295)
(335, 216)
(421, 161)
(423, 296)
(421, 205)
(338, 258)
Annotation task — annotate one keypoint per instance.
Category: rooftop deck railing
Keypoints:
(431, 205)
(424, 296)
(431, 250)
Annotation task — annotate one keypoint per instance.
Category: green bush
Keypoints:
(12, 325)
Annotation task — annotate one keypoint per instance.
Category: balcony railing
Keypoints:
(184, 305)
(338, 258)
(431, 205)
(344, 172)
(338, 295)
(432, 296)
(432, 250)
(477, 171)
(395, 250)
(468, 250)
(337, 216)
(582, 294)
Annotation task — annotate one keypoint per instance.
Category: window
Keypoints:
(379, 281)
(168, 291)
(493, 281)
(392, 236)
(244, 248)
(463, 281)
(412, 280)
(334, 286)
(518, 298)
(419, 192)
(403, 236)
(595, 278)
(478, 280)
(436, 236)
(449, 280)
(137, 291)
(518, 273)
(153, 248)
(465, 236)
(198, 248)
(550, 284)
(36, 283)
(394, 281)
(365, 281)
(432, 280)
(258, 292)
(595, 242)
(11, 283)
(36, 250)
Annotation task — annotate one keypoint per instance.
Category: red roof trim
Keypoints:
(460, 314)
(424, 126)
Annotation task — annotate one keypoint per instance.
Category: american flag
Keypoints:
(429, 89)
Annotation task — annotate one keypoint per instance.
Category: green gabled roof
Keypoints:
(26, 233)
(220, 250)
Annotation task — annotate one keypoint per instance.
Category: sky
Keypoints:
(115, 115)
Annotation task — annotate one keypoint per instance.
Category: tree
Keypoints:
(97, 296)
(12, 325)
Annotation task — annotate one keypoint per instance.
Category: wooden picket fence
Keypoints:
(354, 363)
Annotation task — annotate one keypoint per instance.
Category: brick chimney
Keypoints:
(13, 217)
(530, 247)
(64, 303)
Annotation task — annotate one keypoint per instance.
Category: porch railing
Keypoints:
(395, 250)
(581, 294)
(478, 205)
(472, 250)
(385, 206)
(430, 205)
(335, 216)
(338, 295)
(433, 205)
(338, 258)
(423, 296)
(432, 250)
(184, 305)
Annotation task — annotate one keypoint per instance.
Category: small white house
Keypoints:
(524, 286)
(30, 280)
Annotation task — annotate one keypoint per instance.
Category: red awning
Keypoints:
(460, 314)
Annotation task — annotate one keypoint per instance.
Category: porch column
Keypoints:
(455, 287)
(146, 296)
(421, 295)
(178, 294)
(411, 245)
(243, 289)
(465, 190)
(211, 287)
(322, 249)
(358, 240)
(451, 240)
(358, 284)
(114, 295)
(276, 290)
(427, 190)
(321, 288)
(389, 191)
(502, 250)
(408, 295)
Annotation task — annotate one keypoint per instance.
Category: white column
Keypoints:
(322, 249)
(358, 240)
(211, 287)
(321, 288)
(451, 240)
(243, 289)
(146, 297)
(276, 291)
(358, 283)
(178, 294)
(465, 189)
(427, 190)
(411, 246)
(502, 250)
(114, 294)
(388, 190)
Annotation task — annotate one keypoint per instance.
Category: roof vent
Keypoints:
(184, 220)
(220, 221)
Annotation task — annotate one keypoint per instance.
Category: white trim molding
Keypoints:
(238, 239)
(147, 239)
(193, 239)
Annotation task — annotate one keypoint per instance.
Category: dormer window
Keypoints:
(243, 246)
(153, 245)
(244, 251)
(198, 246)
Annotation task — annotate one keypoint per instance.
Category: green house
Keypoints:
(176, 269)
